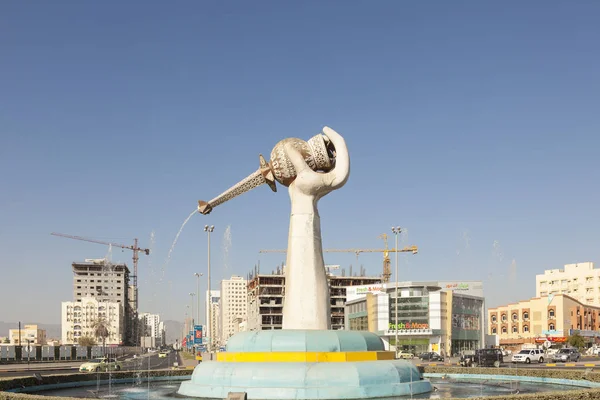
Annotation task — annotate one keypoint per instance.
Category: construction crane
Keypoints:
(387, 264)
(386, 273)
(134, 248)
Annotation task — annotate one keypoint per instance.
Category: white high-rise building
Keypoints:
(152, 327)
(234, 305)
(78, 318)
(580, 281)
(213, 328)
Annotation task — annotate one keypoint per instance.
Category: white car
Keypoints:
(528, 355)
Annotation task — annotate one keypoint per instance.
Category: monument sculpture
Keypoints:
(304, 360)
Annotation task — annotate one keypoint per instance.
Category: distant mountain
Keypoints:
(173, 330)
(53, 331)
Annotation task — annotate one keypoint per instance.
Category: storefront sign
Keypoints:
(355, 292)
(584, 333)
(408, 325)
(557, 339)
(457, 286)
(553, 332)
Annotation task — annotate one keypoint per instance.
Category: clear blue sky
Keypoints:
(469, 123)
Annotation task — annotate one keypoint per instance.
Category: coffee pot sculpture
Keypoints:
(318, 153)
(310, 170)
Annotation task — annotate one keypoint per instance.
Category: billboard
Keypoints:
(197, 334)
(466, 322)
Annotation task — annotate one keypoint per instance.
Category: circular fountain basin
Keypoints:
(307, 365)
(446, 386)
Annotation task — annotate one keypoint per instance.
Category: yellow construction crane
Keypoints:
(387, 264)
(386, 272)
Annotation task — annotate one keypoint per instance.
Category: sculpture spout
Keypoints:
(252, 181)
(318, 152)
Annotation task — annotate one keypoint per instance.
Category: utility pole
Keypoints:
(208, 230)
(396, 230)
(19, 333)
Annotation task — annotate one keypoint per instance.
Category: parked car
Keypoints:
(482, 358)
(163, 354)
(565, 355)
(405, 355)
(102, 364)
(431, 356)
(528, 355)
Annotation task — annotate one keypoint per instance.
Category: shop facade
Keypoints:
(444, 317)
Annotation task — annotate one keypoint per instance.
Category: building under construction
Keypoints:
(266, 293)
(105, 281)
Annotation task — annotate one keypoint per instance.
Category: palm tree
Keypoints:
(100, 329)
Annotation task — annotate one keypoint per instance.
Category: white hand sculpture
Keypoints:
(306, 289)
(318, 184)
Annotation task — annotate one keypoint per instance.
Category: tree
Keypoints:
(100, 328)
(86, 341)
(576, 340)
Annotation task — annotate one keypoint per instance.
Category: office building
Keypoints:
(152, 329)
(107, 282)
(266, 294)
(580, 281)
(212, 332)
(79, 318)
(233, 306)
(551, 318)
(28, 334)
(445, 317)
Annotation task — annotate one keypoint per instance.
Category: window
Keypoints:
(525, 315)
(551, 327)
(503, 317)
(514, 329)
(494, 330)
(525, 328)
(503, 329)
(551, 313)
(515, 317)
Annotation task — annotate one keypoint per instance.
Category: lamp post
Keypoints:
(198, 275)
(396, 230)
(192, 294)
(208, 230)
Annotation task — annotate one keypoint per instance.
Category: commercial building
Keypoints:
(580, 281)
(79, 319)
(31, 334)
(213, 330)
(445, 317)
(234, 305)
(266, 295)
(107, 282)
(152, 330)
(550, 318)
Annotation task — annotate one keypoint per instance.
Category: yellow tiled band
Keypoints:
(306, 357)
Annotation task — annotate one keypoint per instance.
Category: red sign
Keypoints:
(557, 339)
(184, 342)
(198, 334)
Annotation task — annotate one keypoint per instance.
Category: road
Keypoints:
(151, 361)
(584, 363)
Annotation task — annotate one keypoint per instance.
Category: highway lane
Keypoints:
(144, 363)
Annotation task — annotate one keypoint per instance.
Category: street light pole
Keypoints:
(396, 230)
(208, 230)
(192, 314)
(198, 275)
